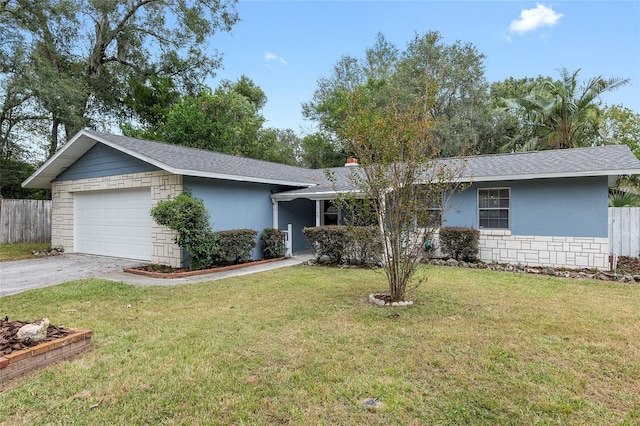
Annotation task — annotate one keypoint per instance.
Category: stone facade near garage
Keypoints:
(568, 252)
(162, 184)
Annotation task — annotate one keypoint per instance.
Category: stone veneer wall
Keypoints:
(560, 252)
(162, 185)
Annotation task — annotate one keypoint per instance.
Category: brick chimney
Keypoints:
(351, 162)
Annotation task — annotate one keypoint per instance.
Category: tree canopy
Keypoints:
(564, 113)
(73, 63)
(447, 78)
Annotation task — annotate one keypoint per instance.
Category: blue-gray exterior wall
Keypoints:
(102, 160)
(235, 205)
(299, 213)
(568, 207)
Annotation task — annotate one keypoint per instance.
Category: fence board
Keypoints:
(624, 231)
(25, 221)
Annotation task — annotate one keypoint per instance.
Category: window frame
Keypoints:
(507, 209)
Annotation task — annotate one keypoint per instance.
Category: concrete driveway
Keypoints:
(21, 275)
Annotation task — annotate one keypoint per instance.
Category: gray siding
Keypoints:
(571, 207)
(102, 160)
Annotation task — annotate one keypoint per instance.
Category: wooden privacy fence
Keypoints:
(25, 221)
(624, 231)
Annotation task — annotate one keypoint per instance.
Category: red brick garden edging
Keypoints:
(35, 357)
(200, 271)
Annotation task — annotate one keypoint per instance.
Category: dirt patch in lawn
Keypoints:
(9, 342)
(163, 271)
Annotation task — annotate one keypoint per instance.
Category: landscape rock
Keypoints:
(452, 262)
(34, 332)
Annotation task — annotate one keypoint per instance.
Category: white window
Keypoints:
(493, 208)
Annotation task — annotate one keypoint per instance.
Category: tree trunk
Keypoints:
(53, 141)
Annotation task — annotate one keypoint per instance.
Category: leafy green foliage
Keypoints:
(618, 198)
(189, 217)
(12, 173)
(393, 140)
(563, 113)
(67, 81)
(272, 243)
(235, 246)
(330, 241)
(345, 244)
(460, 243)
(621, 125)
(321, 151)
(450, 77)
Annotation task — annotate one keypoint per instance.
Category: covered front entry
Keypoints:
(113, 223)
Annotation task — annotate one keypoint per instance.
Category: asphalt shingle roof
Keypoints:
(609, 160)
(196, 162)
(599, 160)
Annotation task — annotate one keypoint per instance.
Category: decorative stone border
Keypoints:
(183, 274)
(375, 300)
(539, 270)
(36, 357)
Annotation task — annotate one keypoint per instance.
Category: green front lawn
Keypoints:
(302, 345)
(20, 251)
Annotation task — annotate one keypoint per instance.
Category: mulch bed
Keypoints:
(10, 343)
(628, 265)
(163, 271)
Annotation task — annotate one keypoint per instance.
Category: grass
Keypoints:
(302, 345)
(19, 251)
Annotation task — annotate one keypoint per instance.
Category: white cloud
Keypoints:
(270, 57)
(532, 19)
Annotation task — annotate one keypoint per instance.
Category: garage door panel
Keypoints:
(114, 223)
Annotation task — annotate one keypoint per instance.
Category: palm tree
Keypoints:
(624, 199)
(563, 113)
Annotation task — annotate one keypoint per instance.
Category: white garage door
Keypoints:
(114, 223)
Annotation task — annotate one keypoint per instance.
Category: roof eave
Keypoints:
(238, 178)
(52, 168)
(324, 195)
(43, 177)
(548, 175)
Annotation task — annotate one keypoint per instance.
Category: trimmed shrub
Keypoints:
(235, 246)
(342, 244)
(365, 245)
(272, 243)
(330, 241)
(189, 217)
(460, 243)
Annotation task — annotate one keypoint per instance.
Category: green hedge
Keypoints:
(342, 244)
(235, 246)
(460, 243)
(189, 217)
(272, 243)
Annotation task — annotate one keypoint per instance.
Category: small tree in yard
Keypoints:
(189, 217)
(397, 174)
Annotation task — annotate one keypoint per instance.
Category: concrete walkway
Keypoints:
(23, 275)
(142, 280)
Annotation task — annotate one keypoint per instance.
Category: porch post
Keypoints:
(317, 212)
(274, 205)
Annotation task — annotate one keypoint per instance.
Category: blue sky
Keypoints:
(286, 46)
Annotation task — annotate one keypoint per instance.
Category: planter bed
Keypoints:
(181, 273)
(44, 354)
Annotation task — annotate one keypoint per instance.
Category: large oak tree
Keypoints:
(79, 56)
